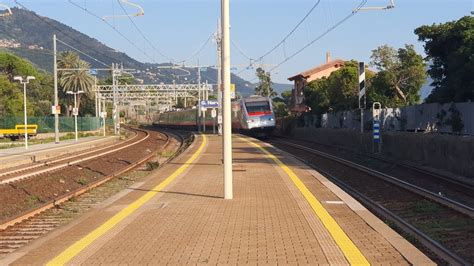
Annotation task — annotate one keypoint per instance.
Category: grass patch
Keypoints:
(32, 200)
(424, 206)
(167, 154)
(152, 165)
(82, 181)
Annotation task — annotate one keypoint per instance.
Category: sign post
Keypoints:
(213, 115)
(362, 99)
(205, 104)
(377, 137)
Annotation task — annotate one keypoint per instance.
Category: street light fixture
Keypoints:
(75, 111)
(24, 82)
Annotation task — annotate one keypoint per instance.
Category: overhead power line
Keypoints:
(340, 22)
(316, 4)
(143, 35)
(240, 50)
(112, 27)
(83, 53)
(198, 51)
(292, 31)
(46, 21)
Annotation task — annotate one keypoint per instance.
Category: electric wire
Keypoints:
(198, 51)
(292, 31)
(60, 30)
(340, 22)
(316, 4)
(83, 53)
(240, 50)
(144, 36)
(114, 28)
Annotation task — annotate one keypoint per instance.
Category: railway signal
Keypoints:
(362, 98)
(377, 136)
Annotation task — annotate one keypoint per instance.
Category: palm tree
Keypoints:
(78, 79)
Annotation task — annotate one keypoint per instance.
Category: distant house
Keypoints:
(300, 80)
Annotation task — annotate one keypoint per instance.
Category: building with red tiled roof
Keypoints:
(300, 80)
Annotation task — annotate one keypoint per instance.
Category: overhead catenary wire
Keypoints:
(240, 50)
(282, 41)
(114, 28)
(83, 53)
(144, 36)
(340, 22)
(292, 31)
(44, 20)
(198, 51)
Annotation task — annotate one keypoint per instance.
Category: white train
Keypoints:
(256, 116)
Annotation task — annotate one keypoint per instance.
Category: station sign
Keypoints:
(209, 104)
(75, 111)
(56, 109)
(213, 113)
(232, 91)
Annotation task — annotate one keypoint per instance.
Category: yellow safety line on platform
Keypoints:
(80, 245)
(350, 250)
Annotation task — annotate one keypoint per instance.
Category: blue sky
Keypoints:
(179, 27)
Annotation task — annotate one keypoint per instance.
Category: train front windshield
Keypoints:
(258, 108)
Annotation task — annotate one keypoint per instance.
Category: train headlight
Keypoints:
(271, 119)
(250, 121)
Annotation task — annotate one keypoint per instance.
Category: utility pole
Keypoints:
(114, 88)
(199, 97)
(219, 76)
(56, 100)
(228, 190)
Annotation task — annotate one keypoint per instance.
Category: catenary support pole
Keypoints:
(56, 100)
(228, 190)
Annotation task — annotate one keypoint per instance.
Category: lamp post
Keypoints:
(75, 111)
(24, 82)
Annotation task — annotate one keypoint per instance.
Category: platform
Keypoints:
(11, 157)
(282, 212)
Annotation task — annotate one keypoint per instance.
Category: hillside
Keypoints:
(29, 35)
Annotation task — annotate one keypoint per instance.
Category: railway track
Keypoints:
(444, 226)
(21, 172)
(34, 223)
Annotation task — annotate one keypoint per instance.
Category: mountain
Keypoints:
(30, 36)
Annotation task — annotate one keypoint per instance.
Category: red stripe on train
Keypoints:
(260, 113)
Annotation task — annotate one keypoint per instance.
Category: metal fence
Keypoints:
(46, 124)
(452, 118)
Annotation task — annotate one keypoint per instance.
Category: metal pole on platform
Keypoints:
(219, 76)
(228, 190)
(199, 97)
(56, 100)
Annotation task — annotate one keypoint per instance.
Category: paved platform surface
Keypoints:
(282, 213)
(19, 155)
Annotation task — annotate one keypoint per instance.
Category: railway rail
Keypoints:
(33, 223)
(21, 172)
(442, 225)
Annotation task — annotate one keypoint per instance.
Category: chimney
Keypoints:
(328, 57)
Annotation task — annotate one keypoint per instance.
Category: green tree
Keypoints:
(264, 87)
(401, 74)
(343, 87)
(280, 109)
(12, 65)
(286, 96)
(78, 80)
(39, 91)
(450, 50)
(316, 95)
